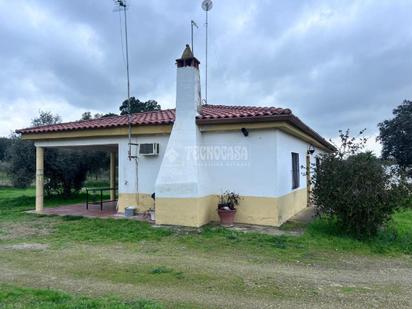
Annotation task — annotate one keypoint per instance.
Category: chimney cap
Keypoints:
(188, 59)
(187, 53)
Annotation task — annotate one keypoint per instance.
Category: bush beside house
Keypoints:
(356, 190)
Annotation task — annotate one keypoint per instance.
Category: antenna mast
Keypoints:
(207, 5)
(193, 23)
(122, 6)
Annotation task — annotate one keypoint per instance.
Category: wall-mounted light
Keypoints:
(311, 149)
(245, 131)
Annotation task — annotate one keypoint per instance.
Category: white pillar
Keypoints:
(308, 181)
(112, 175)
(39, 178)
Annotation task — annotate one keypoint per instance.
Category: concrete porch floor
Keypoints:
(109, 211)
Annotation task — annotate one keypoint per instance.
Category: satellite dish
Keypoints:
(207, 5)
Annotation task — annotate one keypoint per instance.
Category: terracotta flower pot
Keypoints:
(227, 216)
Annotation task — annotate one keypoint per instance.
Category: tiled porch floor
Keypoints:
(109, 211)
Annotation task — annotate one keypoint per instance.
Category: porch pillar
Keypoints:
(112, 175)
(39, 178)
(308, 181)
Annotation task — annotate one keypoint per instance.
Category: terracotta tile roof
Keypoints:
(148, 118)
(167, 116)
(210, 114)
(238, 112)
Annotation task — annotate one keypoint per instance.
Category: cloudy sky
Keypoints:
(336, 64)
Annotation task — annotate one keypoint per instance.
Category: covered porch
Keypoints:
(103, 205)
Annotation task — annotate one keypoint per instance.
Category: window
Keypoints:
(295, 170)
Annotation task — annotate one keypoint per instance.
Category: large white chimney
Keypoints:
(188, 98)
(178, 175)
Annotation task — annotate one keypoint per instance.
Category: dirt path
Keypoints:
(204, 280)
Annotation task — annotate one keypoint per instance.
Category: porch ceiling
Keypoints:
(108, 148)
(103, 144)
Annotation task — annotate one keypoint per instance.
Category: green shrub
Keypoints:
(356, 190)
(21, 159)
(406, 202)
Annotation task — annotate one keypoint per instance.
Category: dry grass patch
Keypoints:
(24, 230)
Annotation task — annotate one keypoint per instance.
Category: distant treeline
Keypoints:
(65, 170)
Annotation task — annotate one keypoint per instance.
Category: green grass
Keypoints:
(394, 239)
(161, 253)
(17, 297)
(91, 183)
(105, 231)
(14, 202)
(292, 226)
(9, 192)
(320, 236)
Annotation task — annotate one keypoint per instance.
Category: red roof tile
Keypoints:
(166, 116)
(237, 112)
(208, 115)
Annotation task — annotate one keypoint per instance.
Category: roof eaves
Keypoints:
(292, 119)
(302, 126)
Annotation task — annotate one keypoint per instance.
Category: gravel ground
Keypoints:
(208, 280)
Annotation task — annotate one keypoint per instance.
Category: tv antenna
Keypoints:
(193, 24)
(121, 5)
(207, 5)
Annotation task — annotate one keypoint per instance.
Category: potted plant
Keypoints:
(226, 207)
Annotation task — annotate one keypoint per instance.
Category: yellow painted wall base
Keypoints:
(290, 204)
(196, 212)
(142, 201)
(193, 212)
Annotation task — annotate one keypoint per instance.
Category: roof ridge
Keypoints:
(156, 111)
(243, 106)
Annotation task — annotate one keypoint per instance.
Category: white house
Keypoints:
(190, 155)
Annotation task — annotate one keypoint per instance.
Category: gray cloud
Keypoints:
(335, 64)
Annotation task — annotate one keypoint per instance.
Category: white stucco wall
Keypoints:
(251, 175)
(286, 144)
(148, 166)
(268, 170)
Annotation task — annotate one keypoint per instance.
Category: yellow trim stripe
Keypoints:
(107, 132)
